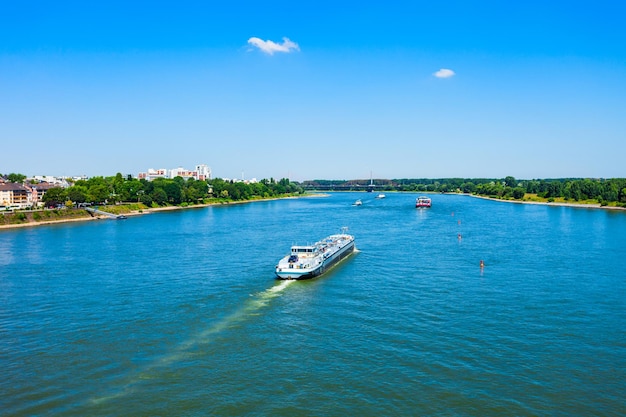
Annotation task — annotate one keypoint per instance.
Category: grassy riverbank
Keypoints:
(25, 218)
(558, 201)
(50, 216)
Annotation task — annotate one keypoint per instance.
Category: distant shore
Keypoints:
(555, 203)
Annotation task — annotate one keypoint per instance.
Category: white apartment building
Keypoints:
(202, 172)
(19, 196)
(153, 174)
(59, 181)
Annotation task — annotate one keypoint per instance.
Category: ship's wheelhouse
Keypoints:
(303, 251)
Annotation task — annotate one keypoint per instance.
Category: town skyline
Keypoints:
(395, 90)
(170, 173)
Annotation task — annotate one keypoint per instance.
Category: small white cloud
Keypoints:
(270, 47)
(444, 73)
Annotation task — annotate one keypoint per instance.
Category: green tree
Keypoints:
(145, 199)
(243, 190)
(174, 192)
(148, 186)
(99, 189)
(77, 194)
(130, 190)
(492, 189)
(553, 189)
(218, 185)
(117, 184)
(195, 190)
(532, 187)
(518, 193)
(590, 189)
(468, 187)
(54, 197)
(98, 193)
(159, 196)
(572, 190)
(233, 191)
(510, 182)
(609, 191)
(18, 178)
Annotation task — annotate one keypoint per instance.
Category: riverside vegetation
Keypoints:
(606, 192)
(122, 195)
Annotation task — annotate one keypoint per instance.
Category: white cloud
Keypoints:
(270, 47)
(444, 73)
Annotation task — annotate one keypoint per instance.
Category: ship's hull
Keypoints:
(307, 273)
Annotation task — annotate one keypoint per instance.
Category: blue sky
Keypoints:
(314, 90)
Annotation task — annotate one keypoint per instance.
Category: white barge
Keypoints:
(312, 260)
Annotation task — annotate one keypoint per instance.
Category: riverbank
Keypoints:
(79, 216)
(83, 216)
(86, 216)
(552, 203)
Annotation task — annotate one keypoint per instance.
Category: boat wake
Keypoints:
(187, 348)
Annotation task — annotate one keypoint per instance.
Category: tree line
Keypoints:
(604, 191)
(162, 191)
(177, 191)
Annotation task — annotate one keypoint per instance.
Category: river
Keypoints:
(179, 313)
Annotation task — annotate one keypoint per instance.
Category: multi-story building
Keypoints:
(153, 174)
(38, 191)
(14, 195)
(202, 172)
(49, 179)
(18, 196)
(182, 172)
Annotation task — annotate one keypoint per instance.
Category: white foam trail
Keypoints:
(250, 307)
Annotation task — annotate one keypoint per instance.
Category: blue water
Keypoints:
(178, 313)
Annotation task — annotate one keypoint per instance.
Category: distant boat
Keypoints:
(381, 195)
(358, 203)
(423, 202)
